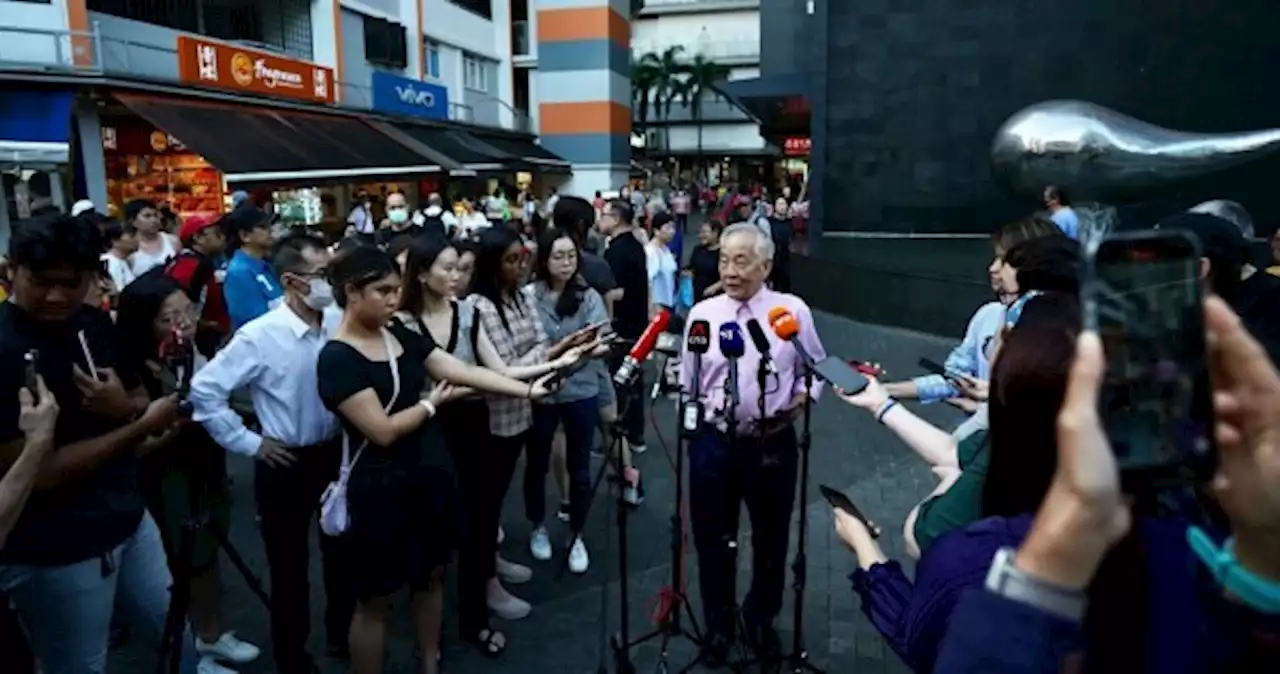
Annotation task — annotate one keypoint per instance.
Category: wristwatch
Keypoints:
(1007, 580)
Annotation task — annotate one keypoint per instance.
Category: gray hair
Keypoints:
(1230, 211)
(764, 243)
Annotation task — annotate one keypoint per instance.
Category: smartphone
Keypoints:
(840, 374)
(934, 367)
(31, 359)
(563, 374)
(839, 501)
(867, 368)
(1142, 294)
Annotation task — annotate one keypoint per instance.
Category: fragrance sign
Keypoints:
(236, 68)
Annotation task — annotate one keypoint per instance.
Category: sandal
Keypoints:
(490, 642)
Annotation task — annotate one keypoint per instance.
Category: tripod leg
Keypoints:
(254, 583)
(175, 620)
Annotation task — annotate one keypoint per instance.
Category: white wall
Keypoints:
(34, 48)
(716, 138)
(722, 36)
(455, 29)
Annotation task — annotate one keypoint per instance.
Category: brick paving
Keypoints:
(850, 451)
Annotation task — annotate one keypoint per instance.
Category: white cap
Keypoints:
(81, 206)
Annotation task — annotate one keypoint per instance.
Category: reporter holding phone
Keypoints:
(36, 419)
(84, 538)
(1094, 582)
(566, 306)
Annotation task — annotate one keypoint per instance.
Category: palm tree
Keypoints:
(643, 75)
(662, 75)
(698, 79)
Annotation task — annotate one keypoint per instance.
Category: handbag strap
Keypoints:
(347, 462)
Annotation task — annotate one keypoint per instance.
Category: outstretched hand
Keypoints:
(869, 398)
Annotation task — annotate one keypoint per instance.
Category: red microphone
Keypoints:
(643, 347)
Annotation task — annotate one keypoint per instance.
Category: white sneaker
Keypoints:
(540, 544)
(640, 448)
(579, 560)
(511, 573)
(228, 648)
(509, 606)
(208, 665)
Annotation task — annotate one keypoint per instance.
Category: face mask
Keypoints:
(320, 295)
(399, 216)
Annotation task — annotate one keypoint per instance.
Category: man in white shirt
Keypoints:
(361, 216)
(274, 356)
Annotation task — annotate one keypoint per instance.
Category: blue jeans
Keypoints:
(67, 610)
(581, 418)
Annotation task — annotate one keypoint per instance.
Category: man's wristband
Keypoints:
(429, 406)
(1007, 580)
(884, 408)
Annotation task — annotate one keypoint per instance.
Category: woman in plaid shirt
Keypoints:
(509, 318)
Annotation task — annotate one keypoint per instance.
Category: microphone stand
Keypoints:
(732, 506)
(798, 659)
(690, 417)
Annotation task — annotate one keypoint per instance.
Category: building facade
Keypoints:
(408, 93)
(903, 102)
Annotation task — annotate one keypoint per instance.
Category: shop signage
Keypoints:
(797, 146)
(130, 137)
(403, 96)
(248, 70)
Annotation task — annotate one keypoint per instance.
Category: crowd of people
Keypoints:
(388, 382)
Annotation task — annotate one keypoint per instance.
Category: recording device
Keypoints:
(934, 367)
(1142, 294)
(31, 358)
(667, 346)
(177, 353)
(867, 368)
(698, 342)
(761, 343)
(732, 346)
(839, 501)
(840, 374)
(630, 367)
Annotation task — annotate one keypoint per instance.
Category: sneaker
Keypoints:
(512, 573)
(579, 560)
(639, 448)
(563, 513)
(540, 544)
(229, 649)
(633, 492)
(508, 606)
(208, 665)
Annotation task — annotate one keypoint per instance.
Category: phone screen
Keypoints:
(1144, 299)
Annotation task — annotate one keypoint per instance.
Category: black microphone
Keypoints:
(732, 346)
(697, 343)
(761, 343)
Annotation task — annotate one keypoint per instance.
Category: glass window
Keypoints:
(475, 73)
(433, 60)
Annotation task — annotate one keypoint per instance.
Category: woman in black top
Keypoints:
(403, 501)
(704, 262)
(183, 473)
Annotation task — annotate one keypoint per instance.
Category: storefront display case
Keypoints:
(143, 162)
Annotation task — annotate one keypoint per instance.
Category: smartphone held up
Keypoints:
(1142, 294)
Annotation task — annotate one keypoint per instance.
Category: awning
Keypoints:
(264, 146)
(769, 99)
(528, 152)
(35, 127)
(463, 148)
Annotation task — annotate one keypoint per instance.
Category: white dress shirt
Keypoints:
(275, 355)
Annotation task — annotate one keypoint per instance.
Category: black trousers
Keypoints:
(722, 475)
(485, 465)
(289, 503)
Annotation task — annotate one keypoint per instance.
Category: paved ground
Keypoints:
(850, 451)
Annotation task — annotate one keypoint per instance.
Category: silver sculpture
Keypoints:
(1096, 153)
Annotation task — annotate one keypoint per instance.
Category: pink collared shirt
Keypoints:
(780, 389)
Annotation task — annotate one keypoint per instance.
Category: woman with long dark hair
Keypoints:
(183, 474)
(509, 316)
(405, 508)
(566, 306)
(428, 306)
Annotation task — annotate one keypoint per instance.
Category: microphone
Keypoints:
(178, 355)
(697, 343)
(627, 372)
(761, 343)
(786, 327)
(732, 346)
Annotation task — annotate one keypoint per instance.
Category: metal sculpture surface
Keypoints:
(1096, 153)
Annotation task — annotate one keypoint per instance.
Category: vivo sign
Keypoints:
(403, 96)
